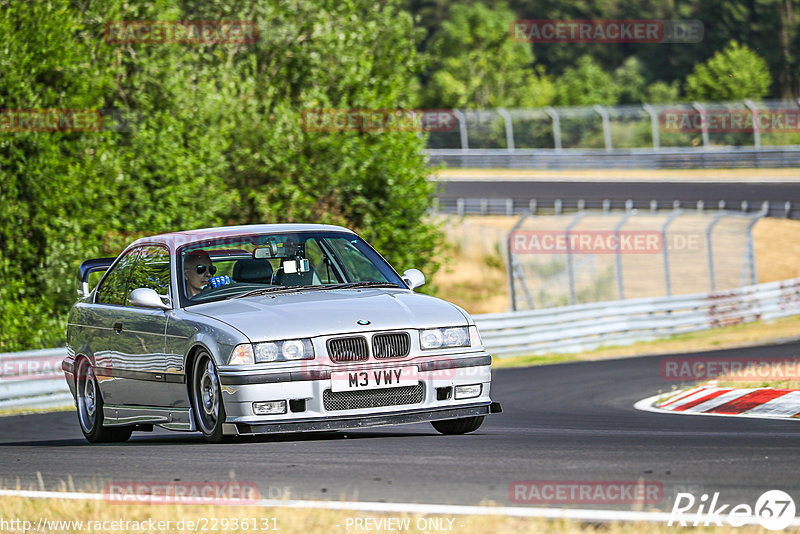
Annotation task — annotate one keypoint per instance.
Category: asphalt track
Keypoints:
(568, 422)
(594, 192)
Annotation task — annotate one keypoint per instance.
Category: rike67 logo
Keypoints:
(774, 510)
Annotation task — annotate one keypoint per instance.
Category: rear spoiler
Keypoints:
(88, 267)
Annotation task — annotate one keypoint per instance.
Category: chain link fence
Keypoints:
(653, 126)
(593, 256)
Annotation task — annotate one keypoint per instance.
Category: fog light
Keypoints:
(468, 392)
(269, 407)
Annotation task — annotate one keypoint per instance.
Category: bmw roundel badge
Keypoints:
(363, 322)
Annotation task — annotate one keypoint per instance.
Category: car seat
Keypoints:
(252, 271)
(308, 278)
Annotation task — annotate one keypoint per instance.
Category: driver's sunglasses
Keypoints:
(202, 268)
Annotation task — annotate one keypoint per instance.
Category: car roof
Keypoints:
(177, 239)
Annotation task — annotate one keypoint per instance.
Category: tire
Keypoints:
(458, 426)
(89, 402)
(206, 396)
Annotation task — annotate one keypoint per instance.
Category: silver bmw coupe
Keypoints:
(267, 328)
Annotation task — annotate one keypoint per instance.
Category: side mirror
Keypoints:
(414, 278)
(146, 298)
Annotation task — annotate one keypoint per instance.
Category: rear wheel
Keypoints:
(90, 408)
(458, 426)
(207, 398)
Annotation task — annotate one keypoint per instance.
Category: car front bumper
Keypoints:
(366, 421)
(310, 403)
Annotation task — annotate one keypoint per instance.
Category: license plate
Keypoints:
(391, 377)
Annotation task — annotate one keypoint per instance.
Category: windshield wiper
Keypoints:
(350, 285)
(274, 289)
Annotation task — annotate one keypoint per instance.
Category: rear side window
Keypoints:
(113, 290)
(151, 271)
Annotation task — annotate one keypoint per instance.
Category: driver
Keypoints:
(198, 272)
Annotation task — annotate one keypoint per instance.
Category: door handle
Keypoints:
(117, 327)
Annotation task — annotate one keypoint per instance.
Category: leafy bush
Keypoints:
(214, 137)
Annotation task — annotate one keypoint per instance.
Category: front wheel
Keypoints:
(458, 426)
(209, 411)
(90, 408)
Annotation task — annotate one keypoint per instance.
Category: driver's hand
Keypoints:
(219, 281)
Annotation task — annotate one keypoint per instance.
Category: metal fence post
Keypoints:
(750, 254)
(570, 270)
(606, 125)
(654, 126)
(665, 249)
(509, 128)
(703, 122)
(709, 249)
(618, 254)
(462, 128)
(756, 131)
(511, 265)
(556, 126)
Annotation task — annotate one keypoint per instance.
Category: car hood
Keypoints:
(330, 312)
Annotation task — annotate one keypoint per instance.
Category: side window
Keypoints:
(151, 271)
(114, 288)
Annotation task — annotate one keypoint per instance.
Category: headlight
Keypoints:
(440, 338)
(290, 349)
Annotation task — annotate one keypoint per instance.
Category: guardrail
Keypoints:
(33, 379)
(589, 326)
(510, 207)
(618, 158)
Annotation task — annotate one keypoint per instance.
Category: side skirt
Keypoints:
(169, 418)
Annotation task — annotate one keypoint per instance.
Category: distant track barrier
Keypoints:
(33, 379)
(589, 326)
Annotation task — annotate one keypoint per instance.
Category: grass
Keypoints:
(732, 382)
(299, 521)
(741, 335)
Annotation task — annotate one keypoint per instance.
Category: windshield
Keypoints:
(236, 267)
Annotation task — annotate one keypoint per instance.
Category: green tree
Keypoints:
(586, 84)
(630, 81)
(734, 73)
(477, 65)
(213, 136)
(662, 93)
